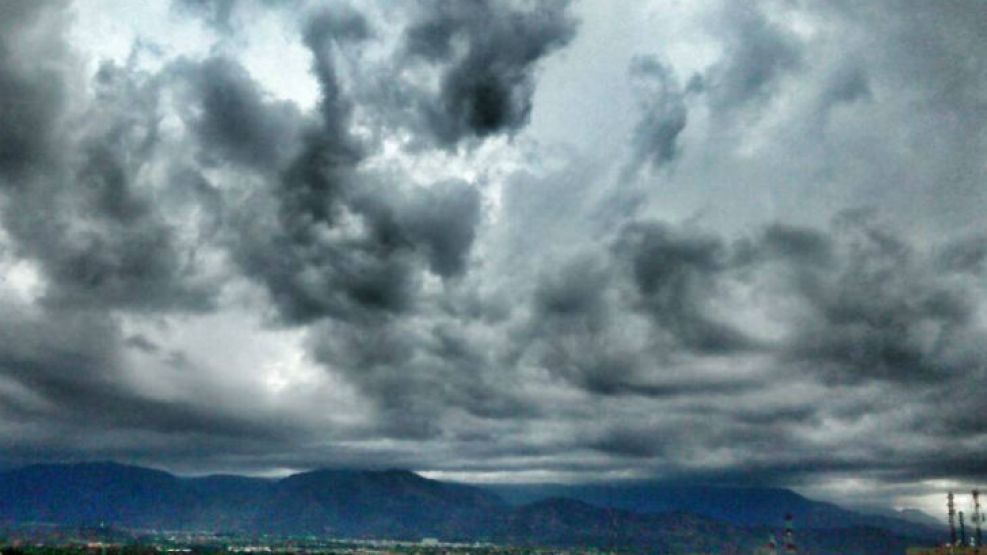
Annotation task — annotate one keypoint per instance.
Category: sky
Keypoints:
(709, 242)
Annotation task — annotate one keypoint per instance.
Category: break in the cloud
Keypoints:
(507, 239)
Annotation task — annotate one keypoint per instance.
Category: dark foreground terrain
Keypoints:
(207, 545)
(119, 507)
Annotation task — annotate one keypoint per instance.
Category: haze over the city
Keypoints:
(709, 242)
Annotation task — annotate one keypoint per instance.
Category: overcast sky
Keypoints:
(730, 242)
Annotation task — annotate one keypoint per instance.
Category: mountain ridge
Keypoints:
(749, 506)
(394, 504)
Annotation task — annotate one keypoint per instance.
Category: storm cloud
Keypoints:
(488, 88)
(498, 239)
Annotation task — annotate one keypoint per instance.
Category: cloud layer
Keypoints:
(776, 275)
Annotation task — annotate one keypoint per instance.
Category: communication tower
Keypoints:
(962, 531)
(951, 512)
(790, 548)
(978, 517)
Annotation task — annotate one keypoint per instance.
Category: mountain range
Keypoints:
(747, 506)
(398, 504)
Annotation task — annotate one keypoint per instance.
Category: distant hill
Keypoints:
(394, 504)
(399, 504)
(748, 506)
(569, 523)
(910, 515)
(90, 494)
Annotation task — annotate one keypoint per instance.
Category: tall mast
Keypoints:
(951, 512)
(977, 516)
(962, 531)
(790, 548)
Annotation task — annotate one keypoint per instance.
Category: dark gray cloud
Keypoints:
(885, 312)
(569, 325)
(339, 247)
(965, 255)
(86, 214)
(32, 96)
(487, 53)
(443, 221)
(664, 115)
(323, 239)
(324, 34)
(72, 362)
(758, 53)
(674, 274)
(81, 205)
(233, 120)
(417, 376)
(91, 223)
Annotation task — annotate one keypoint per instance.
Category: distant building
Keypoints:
(944, 550)
(769, 548)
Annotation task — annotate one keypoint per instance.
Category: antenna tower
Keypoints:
(790, 548)
(978, 517)
(951, 512)
(962, 531)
